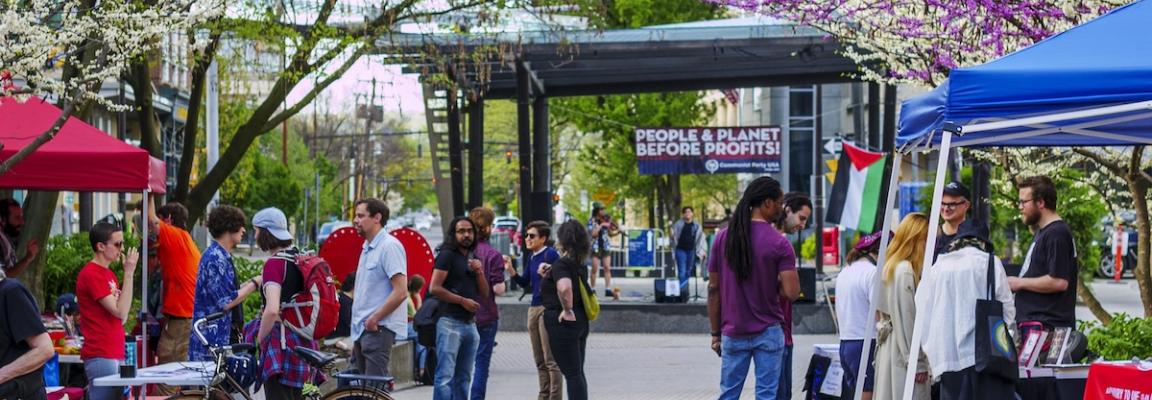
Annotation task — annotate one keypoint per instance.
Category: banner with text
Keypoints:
(708, 150)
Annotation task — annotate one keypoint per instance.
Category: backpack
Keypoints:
(424, 322)
(314, 311)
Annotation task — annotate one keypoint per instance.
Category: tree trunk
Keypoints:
(1139, 187)
(1091, 302)
(141, 80)
(38, 211)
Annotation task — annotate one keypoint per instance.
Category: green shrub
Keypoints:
(808, 248)
(247, 268)
(1122, 339)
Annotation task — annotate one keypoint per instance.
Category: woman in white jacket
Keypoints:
(946, 304)
(896, 306)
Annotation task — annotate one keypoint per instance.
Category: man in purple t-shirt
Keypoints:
(752, 265)
(488, 317)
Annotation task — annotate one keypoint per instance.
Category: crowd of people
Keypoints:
(751, 266)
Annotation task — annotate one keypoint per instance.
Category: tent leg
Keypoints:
(886, 226)
(142, 316)
(929, 250)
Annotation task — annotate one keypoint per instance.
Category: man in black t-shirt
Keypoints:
(1046, 286)
(458, 282)
(24, 344)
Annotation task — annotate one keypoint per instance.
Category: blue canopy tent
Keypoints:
(1088, 86)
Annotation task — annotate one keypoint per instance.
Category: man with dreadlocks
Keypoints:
(751, 266)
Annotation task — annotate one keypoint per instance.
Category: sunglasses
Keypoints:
(531, 236)
(119, 245)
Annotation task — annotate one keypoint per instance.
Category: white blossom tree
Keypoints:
(90, 41)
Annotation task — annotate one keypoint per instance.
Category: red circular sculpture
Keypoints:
(343, 247)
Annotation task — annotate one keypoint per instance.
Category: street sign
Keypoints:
(833, 146)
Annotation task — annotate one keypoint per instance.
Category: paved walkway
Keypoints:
(628, 367)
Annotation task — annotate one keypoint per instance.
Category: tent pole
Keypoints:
(885, 226)
(929, 250)
(142, 316)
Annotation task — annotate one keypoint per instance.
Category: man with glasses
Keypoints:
(1046, 286)
(458, 283)
(105, 307)
(954, 206)
(551, 380)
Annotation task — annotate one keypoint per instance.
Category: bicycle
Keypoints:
(223, 384)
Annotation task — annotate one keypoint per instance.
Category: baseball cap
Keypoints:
(973, 228)
(956, 189)
(274, 221)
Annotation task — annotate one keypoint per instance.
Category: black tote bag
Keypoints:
(995, 350)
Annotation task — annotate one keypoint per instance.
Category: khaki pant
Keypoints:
(551, 380)
(173, 345)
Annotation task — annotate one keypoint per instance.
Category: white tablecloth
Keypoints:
(185, 373)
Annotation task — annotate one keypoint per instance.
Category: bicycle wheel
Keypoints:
(358, 393)
(198, 394)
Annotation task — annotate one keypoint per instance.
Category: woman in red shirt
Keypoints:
(104, 307)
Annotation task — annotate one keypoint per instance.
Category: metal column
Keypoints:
(455, 152)
(476, 152)
(541, 161)
(524, 127)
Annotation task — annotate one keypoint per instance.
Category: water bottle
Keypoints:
(128, 365)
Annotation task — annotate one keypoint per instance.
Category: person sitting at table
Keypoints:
(104, 307)
(947, 301)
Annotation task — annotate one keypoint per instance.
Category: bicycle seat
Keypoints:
(316, 358)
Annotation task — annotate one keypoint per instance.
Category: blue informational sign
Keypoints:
(721, 150)
(640, 249)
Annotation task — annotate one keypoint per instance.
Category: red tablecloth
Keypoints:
(1115, 381)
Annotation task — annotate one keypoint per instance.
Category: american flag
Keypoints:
(733, 95)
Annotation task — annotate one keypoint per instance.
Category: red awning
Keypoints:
(80, 158)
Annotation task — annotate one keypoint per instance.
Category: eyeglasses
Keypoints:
(531, 236)
(952, 205)
(1022, 202)
(463, 231)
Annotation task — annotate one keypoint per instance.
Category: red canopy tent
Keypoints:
(80, 158)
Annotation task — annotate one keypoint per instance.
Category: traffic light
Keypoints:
(508, 156)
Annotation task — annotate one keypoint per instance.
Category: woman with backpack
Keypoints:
(565, 319)
(282, 371)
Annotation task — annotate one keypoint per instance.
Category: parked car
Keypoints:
(327, 228)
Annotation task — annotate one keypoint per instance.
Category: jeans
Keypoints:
(685, 261)
(101, 367)
(784, 391)
(484, 359)
(569, 341)
(420, 350)
(765, 349)
(456, 344)
(548, 373)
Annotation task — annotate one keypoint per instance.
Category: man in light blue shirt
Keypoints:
(378, 311)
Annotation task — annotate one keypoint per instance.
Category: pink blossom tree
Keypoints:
(920, 41)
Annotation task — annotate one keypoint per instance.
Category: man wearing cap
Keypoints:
(954, 206)
(179, 265)
(944, 304)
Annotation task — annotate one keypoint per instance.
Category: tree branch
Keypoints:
(1100, 160)
(319, 87)
(195, 107)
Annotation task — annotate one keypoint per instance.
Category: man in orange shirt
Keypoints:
(179, 263)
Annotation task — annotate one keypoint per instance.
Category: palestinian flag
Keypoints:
(855, 194)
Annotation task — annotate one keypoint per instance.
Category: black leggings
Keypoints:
(273, 390)
(568, 341)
